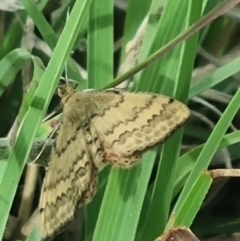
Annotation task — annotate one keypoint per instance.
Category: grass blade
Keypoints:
(30, 124)
(207, 153)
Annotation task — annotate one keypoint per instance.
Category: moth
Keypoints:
(97, 129)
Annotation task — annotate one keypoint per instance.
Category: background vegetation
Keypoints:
(196, 61)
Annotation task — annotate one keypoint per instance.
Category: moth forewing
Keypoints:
(130, 123)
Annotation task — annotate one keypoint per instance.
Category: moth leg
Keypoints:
(121, 161)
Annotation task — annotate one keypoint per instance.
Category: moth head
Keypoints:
(64, 92)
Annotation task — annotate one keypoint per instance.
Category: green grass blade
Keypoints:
(100, 73)
(158, 210)
(122, 202)
(186, 162)
(38, 72)
(208, 151)
(10, 66)
(100, 44)
(130, 224)
(214, 78)
(30, 124)
(49, 35)
(41, 22)
(91, 211)
(8, 42)
(193, 201)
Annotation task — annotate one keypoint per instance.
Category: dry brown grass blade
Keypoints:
(178, 234)
(225, 173)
